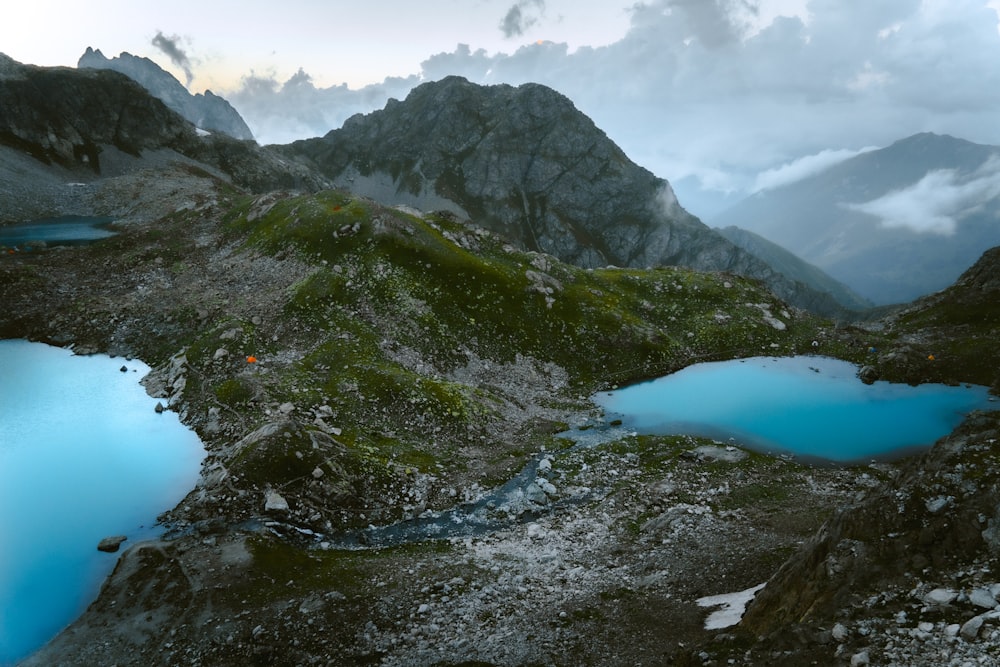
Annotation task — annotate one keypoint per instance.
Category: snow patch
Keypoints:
(733, 605)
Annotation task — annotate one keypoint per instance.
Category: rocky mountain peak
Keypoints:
(207, 111)
(526, 163)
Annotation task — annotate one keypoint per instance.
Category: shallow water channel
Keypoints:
(83, 456)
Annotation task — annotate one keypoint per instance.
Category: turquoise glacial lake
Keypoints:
(64, 230)
(810, 407)
(83, 456)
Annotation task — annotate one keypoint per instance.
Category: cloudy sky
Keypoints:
(721, 97)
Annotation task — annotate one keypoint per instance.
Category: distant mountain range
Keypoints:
(892, 224)
(521, 161)
(206, 111)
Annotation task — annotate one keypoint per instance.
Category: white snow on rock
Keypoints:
(733, 605)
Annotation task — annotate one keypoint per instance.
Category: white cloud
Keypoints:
(731, 90)
(937, 202)
(804, 167)
(868, 77)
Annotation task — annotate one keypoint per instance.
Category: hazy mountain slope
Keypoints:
(793, 267)
(524, 162)
(892, 224)
(207, 111)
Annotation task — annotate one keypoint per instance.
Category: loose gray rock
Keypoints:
(940, 596)
(111, 544)
(982, 598)
(274, 502)
(534, 493)
(970, 629)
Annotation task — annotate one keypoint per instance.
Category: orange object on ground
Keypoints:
(251, 359)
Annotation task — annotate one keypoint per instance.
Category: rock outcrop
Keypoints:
(525, 163)
(205, 110)
(81, 123)
(64, 116)
(959, 325)
(899, 552)
(111, 544)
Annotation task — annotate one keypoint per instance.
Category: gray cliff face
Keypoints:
(525, 163)
(64, 116)
(207, 111)
(100, 123)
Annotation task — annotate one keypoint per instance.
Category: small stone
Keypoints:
(317, 473)
(533, 493)
(286, 408)
(545, 464)
(111, 544)
(859, 659)
(221, 353)
(839, 632)
(867, 374)
(952, 630)
(159, 408)
(536, 532)
(935, 505)
(311, 605)
(941, 596)
(123, 369)
(982, 598)
(970, 629)
(274, 502)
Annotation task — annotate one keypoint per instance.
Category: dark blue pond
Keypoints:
(64, 230)
(812, 407)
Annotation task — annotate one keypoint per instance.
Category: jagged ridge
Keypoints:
(207, 111)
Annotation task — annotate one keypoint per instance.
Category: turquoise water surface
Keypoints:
(812, 407)
(83, 455)
(65, 230)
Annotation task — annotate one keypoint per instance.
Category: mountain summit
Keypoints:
(524, 162)
(206, 111)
